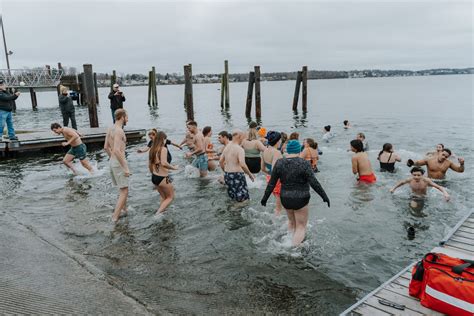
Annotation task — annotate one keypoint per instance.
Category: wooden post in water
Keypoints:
(60, 67)
(113, 80)
(155, 95)
(96, 89)
(297, 91)
(258, 104)
(222, 90)
(149, 88)
(248, 105)
(58, 89)
(304, 95)
(188, 91)
(226, 83)
(88, 85)
(34, 102)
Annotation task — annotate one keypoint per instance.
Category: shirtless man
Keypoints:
(188, 139)
(200, 161)
(77, 150)
(439, 164)
(115, 141)
(224, 139)
(232, 161)
(419, 184)
(361, 163)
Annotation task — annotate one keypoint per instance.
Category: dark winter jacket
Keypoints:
(65, 103)
(116, 101)
(6, 100)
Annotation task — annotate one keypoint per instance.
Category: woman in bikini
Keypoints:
(159, 166)
(209, 146)
(269, 157)
(310, 153)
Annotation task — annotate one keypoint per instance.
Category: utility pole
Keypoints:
(5, 45)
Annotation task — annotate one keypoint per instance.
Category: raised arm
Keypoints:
(458, 168)
(314, 183)
(439, 188)
(422, 162)
(399, 184)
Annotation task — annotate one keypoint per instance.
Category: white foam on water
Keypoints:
(191, 172)
(258, 183)
(85, 174)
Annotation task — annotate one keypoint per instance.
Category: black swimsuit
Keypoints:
(387, 166)
(157, 179)
(295, 175)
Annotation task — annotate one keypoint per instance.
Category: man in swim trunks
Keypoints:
(232, 161)
(439, 164)
(419, 184)
(200, 161)
(224, 138)
(78, 149)
(115, 142)
(361, 163)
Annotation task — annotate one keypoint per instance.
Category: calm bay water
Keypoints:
(206, 255)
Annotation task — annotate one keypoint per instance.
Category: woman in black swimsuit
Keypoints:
(387, 158)
(295, 175)
(159, 166)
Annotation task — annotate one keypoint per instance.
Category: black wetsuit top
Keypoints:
(387, 166)
(296, 176)
(168, 142)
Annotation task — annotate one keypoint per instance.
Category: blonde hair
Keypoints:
(252, 134)
(62, 89)
(119, 114)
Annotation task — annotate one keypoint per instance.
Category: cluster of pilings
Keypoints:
(302, 77)
(254, 80)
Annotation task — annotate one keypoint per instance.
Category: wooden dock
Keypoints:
(37, 140)
(459, 242)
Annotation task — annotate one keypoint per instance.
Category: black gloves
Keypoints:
(410, 162)
(263, 202)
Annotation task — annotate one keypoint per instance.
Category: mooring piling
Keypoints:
(152, 95)
(34, 101)
(222, 90)
(96, 89)
(301, 80)
(113, 80)
(297, 91)
(226, 83)
(248, 105)
(188, 91)
(258, 104)
(88, 85)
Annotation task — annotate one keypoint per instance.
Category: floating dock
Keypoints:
(458, 243)
(37, 140)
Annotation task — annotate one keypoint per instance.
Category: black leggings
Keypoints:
(294, 203)
(254, 164)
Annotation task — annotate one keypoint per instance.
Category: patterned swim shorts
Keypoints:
(236, 186)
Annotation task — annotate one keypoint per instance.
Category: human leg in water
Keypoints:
(291, 221)
(121, 204)
(167, 195)
(301, 217)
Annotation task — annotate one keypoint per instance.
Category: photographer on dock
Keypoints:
(67, 108)
(6, 107)
(116, 99)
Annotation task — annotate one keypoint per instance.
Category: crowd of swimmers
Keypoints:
(289, 166)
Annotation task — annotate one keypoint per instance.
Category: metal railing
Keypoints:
(31, 78)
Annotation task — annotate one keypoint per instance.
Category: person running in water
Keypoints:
(296, 176)
(438, 165)
(152, 134)
(253, 147)
(115, 142)
(361, 163)
(310, 153)
(159, 166)
(232, 161)
(269, 157)
(419, 184)
(387, 158)
(78, 148)
(201, 161)
(209, 147)
(224, 139)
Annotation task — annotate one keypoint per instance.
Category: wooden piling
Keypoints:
(188, 88)
(60, 67)
(297, 91)
(248, 105)
(258, 104)
(226, 83)
(88, 85)
(304, 96)
(58, 89)
(149, 89)
(48, 68)
(153, 82)
(113, 80)
(222, 90)
(96, 89)
(34, 101)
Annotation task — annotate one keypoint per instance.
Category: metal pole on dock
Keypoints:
(297, 91)
(248, 104)
(188, 91)
(304, 96)
(258, 104)
(226, 83)
(34, 101)
(88, 85)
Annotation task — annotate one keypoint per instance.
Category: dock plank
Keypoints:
(466, 229)
(411, 304)
(366, 309)
(461, 239)
(460, 245)
(374, 302)
(460, 233)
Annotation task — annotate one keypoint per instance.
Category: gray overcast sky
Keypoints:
(132, 36)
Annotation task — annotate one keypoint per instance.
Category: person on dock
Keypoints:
(439, 164)
(201, 161)
(269, 157)
(419, 185)
(67, 108)
(387, 158)
(115, 142)
(159, 167)
(6, 107)
(296, 177)
(361, 163)
(117, 98)
(253, 147)
(232, 161)
(78, 148)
